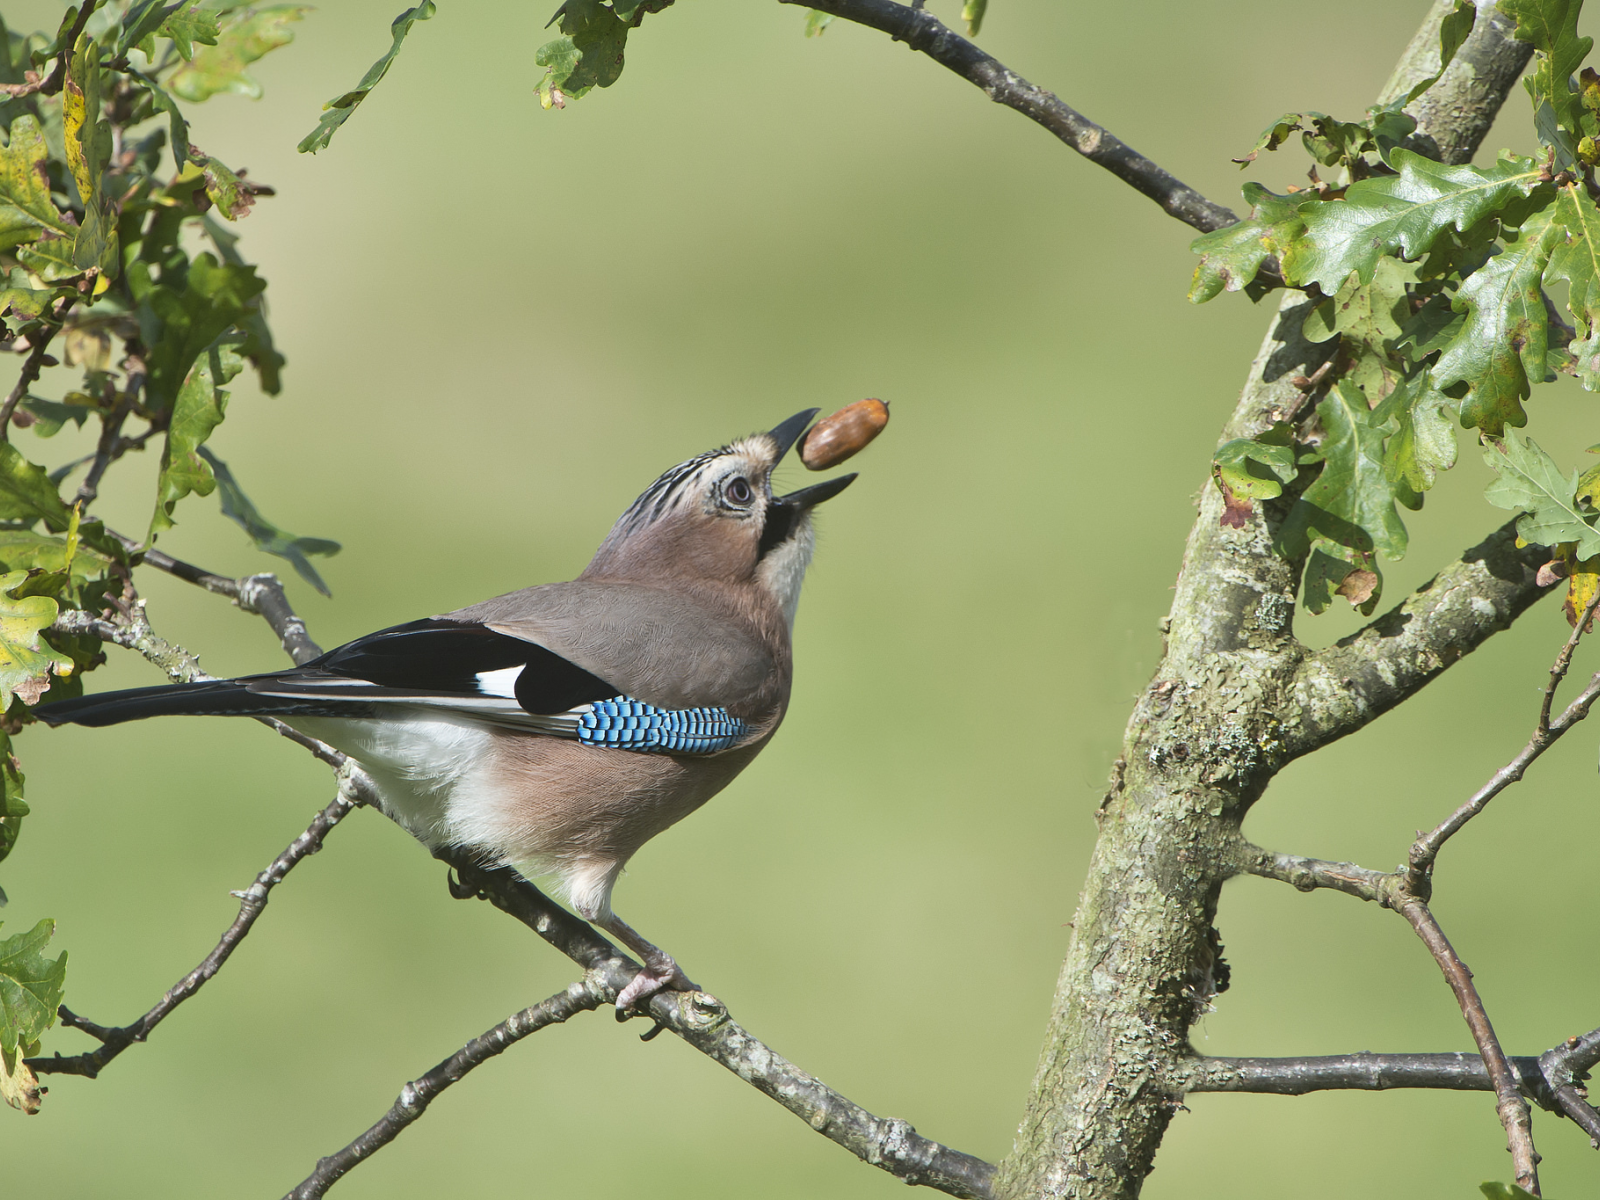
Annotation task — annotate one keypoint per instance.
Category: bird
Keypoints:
(558, 728)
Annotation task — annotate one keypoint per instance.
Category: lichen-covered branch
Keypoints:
(1346, 686)
(252, 902)
(921, 30)
(583, 996)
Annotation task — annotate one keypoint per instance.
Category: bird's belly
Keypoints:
(418, 763)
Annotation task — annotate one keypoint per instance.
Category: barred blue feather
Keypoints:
(624, 724)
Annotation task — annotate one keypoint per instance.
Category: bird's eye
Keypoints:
(738, 491)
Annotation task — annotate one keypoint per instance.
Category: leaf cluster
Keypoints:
(1431, 285)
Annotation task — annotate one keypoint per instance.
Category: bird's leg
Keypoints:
(660, 973)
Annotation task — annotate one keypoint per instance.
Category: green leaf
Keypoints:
(1430, 329)
(1256, 469)
(816, 22)
(1231, 256)
(1403, 212)
(179, 325)
(31, 986)
(232, 195)
(188, 25)
(12, 806)
(1367, 317)
(1575, 257)
(26, 660)
(25, 205)
(178, 127)
(1505, 1191)
(26, 493)
(236, 506)
(1551, 27)
(1424, 441)
(1351, 503)
(589, 56)
(245, 35)
(339, 110)
(257, 346)
(1499, 352)
(1527, 479)
(199, 410)
(24, 550)
(88, 135)
(972, 12)
(1453, 32)
(50, 258)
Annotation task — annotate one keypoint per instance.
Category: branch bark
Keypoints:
(922, 31)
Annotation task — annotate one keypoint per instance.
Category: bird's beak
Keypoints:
(786, 434)
(815, 494)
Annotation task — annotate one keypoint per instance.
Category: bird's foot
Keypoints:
(660, 974)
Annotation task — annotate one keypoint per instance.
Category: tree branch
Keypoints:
(1346, 686)
(1456, 1072)
(921, 30)
(252, 902)
(1309, 874)
(1513, 1109)
(584, 996)
(35, 362)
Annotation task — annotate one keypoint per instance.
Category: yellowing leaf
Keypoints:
(26, 660)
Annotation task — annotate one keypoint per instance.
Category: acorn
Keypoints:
(833, 439)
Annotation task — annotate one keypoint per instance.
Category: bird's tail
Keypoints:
(219, 697)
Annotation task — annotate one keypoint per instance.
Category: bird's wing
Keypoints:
(451, 666)
(655, 645)
(475, 672)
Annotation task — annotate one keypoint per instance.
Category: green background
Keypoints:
(501, 323)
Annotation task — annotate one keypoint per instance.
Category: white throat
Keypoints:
(783, 569)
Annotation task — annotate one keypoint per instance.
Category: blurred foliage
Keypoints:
(1433, 280)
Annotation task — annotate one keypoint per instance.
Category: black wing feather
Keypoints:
(428, 659)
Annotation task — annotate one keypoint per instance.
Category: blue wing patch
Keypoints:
(624, 724)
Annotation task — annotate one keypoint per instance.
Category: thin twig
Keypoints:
(1513, 1109)
(583, 996)
(921, 30)
(1309, 874)
(1426, 848)
(33, 364)
(1460, 1072)
(112, 445)
(252, 901)
(260, 594)
(1558, 669)
(58, 77)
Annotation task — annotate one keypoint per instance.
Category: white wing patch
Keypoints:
(500, 683)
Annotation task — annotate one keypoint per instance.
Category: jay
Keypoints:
(559, 728)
